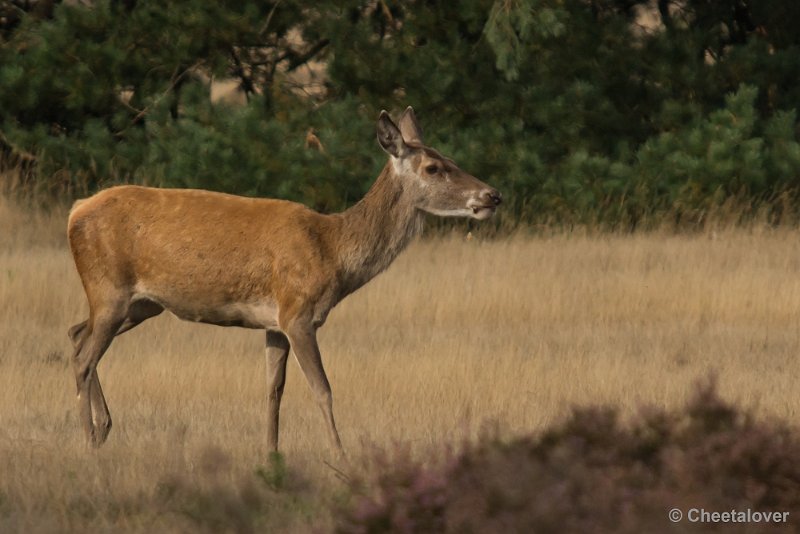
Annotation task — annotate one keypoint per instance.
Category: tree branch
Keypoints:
(247, 81)
(176, 79)
(297, 59)
(663, 10)
(269, 18)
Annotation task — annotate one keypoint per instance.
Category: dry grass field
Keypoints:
(455, 336)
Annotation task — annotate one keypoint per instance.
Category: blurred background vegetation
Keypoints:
(619, 113)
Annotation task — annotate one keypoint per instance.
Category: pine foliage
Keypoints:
(577, 110)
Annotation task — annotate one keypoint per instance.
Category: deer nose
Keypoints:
(493, 197)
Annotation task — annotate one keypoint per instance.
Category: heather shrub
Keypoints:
(593, 473)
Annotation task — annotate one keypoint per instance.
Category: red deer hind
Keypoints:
(252, 262)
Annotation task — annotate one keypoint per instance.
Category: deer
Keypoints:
(259, 263)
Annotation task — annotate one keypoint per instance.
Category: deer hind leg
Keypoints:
(101, 418)
(277, 354)
(138, 312)
(91, 345)
(303, 340)
(76, 333)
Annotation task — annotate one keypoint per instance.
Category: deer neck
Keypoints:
(376, 229)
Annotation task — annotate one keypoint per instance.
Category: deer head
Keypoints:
(438, 185)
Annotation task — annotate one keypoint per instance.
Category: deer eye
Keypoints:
(432, 169)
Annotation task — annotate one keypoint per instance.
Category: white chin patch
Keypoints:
(482, 213)
(461, 212)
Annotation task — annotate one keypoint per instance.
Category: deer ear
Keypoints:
(409, 127)
(389, 136)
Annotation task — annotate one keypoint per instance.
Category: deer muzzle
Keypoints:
(485, 203)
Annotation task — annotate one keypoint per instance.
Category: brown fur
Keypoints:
(258, 263)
